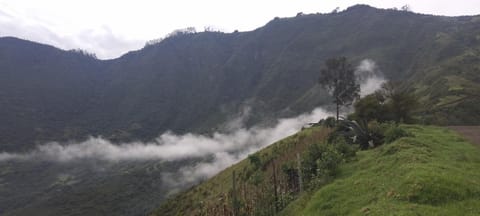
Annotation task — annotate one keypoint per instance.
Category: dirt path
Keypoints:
(471, 133)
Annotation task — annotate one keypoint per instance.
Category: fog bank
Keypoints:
(170, 146)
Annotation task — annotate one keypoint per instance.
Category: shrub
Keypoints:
(327, 164)
(343, 148)
(309, 166)
(289, 169)
(371, 107)
(330, 122)
(257, 178)
(391, 103)
(320, 163)
(357, 132)
(394, 132)
(255, 161)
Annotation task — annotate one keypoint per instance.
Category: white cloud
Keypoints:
(102, 40)
(216, 152)
(369, 76)
(169, 146)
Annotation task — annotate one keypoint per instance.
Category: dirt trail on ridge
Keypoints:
(471, 133)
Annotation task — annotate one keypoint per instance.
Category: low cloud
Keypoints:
(170, 146)
(215, 152)
(369, 76)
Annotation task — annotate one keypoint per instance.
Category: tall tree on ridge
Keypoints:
(338, 77)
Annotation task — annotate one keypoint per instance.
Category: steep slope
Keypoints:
(254, 184)
(196, 81)
(42, 89)
(430, 173)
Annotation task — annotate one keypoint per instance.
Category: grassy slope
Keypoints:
(215, 191)
(449, 88)
(433, 173)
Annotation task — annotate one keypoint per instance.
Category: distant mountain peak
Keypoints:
(361, 7)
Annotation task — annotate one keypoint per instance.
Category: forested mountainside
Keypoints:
(196, 81)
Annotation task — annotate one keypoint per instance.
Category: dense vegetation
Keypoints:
(195, 81)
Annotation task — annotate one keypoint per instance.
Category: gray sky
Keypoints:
(110, 28)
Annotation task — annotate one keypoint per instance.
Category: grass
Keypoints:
(436, 172)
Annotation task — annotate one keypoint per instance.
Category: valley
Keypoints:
(207, 123)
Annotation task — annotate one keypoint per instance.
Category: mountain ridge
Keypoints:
(195, 81)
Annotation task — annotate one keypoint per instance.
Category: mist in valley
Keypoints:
(222, 149)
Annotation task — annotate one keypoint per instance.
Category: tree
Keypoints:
(339, 79)
(335, 10)
(406, 8)
(400, 102)
(390, 103)
(403, 105)
(371, 107)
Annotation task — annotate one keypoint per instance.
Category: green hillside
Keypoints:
(255, 182)
(432, 172)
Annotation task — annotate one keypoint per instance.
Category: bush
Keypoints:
(365, 135)
(257, 178)
(327, 164)
(330, 122)
(394, 132)
(387, 104)
(309, 166)
(255, 161)
(343, 148)
(371, 107)
(319, 163)
(357, 132)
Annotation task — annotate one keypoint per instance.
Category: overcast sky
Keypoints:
(110, 28)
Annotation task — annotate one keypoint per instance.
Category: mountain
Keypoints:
(196, 82)
(42, 89)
